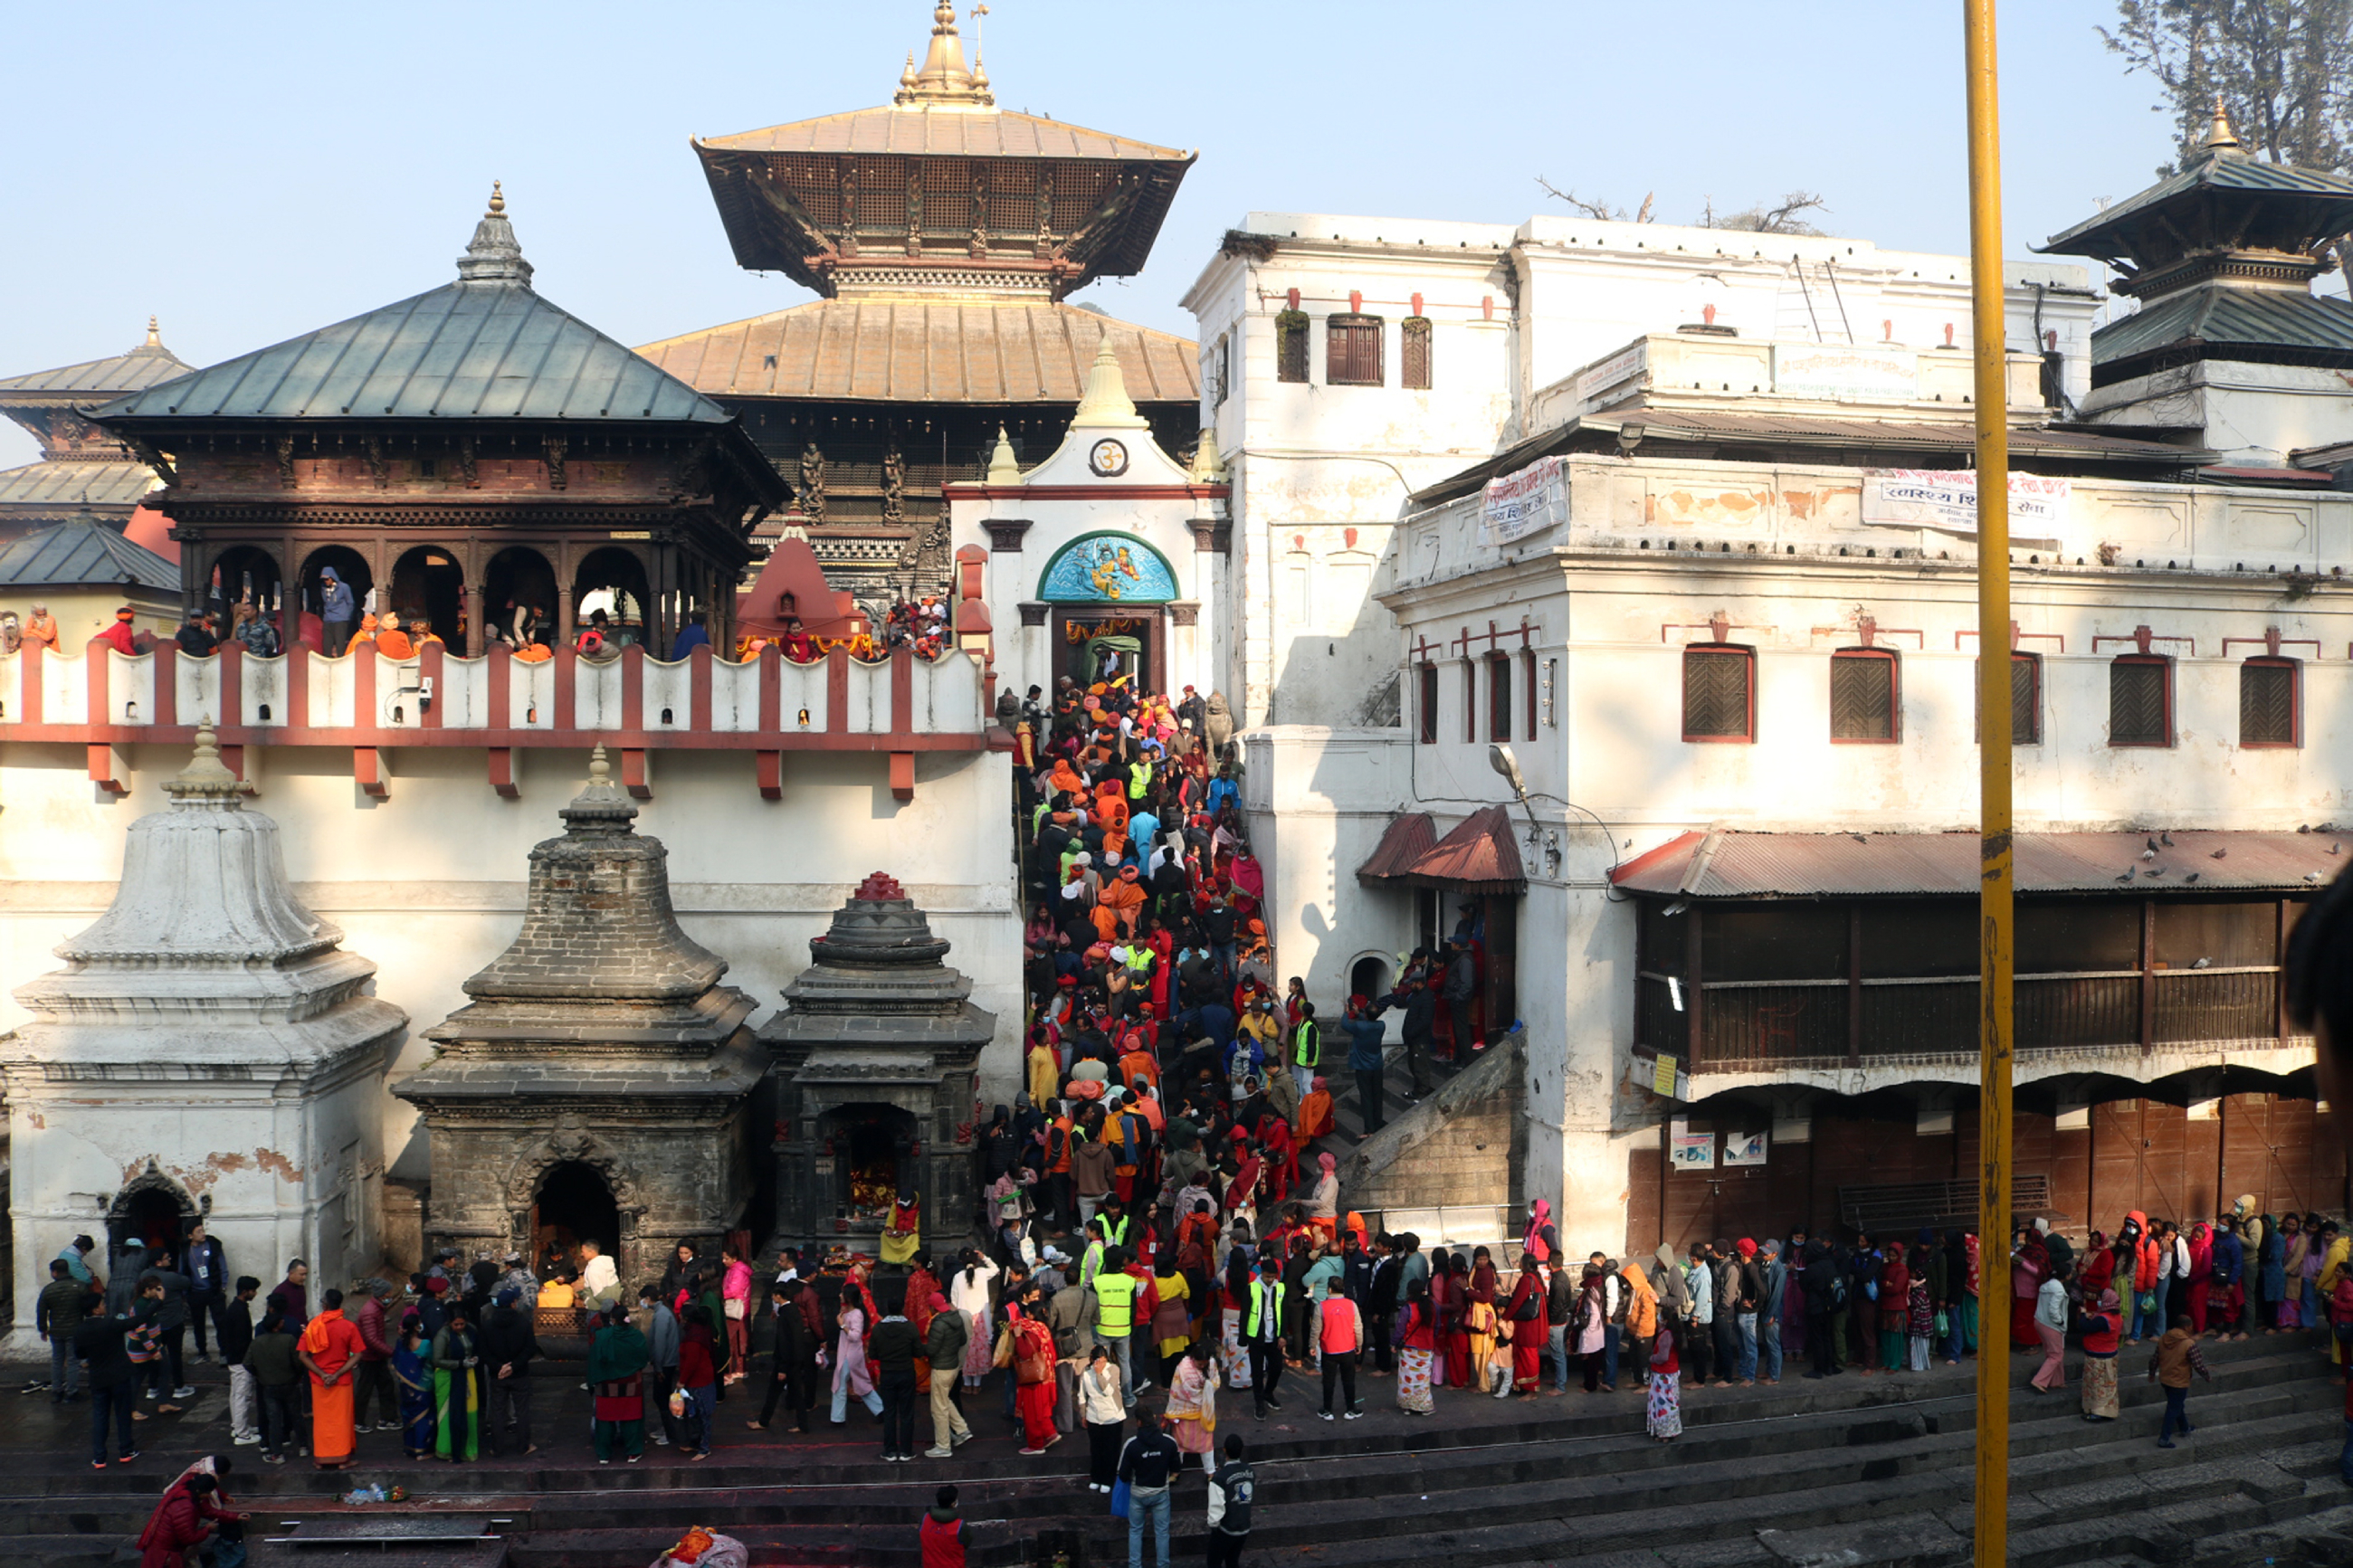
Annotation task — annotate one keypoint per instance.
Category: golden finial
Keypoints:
(907, 77)
(498, 202)
(154, 338)
(2222, 138)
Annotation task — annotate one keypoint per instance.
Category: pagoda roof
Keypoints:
(912, 349)
(486, 346)
(918, 131)
(64, 485)
(2265, 323)
(139, 368)
(83, 552)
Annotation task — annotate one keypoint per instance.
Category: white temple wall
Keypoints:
(430, 882)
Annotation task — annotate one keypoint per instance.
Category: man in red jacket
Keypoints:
(373, 1374)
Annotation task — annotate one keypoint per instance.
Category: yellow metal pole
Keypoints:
(1996, 928)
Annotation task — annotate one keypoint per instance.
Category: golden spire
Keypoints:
(154, 338)
(907, 77)
(498, 201)
(2222, 138)
(944, 81)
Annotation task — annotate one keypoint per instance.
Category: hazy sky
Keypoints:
(249, 171)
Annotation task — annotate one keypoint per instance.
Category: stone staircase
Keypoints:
(1858, 1472)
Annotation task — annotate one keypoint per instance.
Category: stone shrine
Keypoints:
(206, 1010)
(595, 1088)
(874, 1061)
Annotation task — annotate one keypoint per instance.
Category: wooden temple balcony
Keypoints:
(767, 706)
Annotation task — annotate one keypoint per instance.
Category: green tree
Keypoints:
(2282, 70)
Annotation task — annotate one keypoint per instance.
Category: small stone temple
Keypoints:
(208, 1051)
(597, 1087)
(873, 1058)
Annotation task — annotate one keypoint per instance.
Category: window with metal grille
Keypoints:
(1413, 353)
(2025, 701)
(1499, 698)
(1352, 351)
(1864, 705)
(2141, 701)
(1426, 705)
(2269, 713)
(947, 197)
(1291, 345)
(1719, 693)
(1528, 676)
(882, 195)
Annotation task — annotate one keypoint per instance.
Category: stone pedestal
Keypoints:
(874, 1057)
(597, 1087)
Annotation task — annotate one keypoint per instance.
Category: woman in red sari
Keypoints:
(1525, 1314)
(2029, 1265)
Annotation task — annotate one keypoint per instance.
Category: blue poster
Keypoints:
(1107, 568)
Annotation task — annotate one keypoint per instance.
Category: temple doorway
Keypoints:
(150, 1211)
(874, 1151)
(428, 584)
(575, 1204)
(1093, 646)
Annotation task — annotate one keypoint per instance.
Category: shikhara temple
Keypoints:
(1567, 583)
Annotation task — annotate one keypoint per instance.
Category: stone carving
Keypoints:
(811, 491)
(1219, 725)
(895, 485)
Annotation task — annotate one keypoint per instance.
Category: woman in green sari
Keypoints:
(456, 1409)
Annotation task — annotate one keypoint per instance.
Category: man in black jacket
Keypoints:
(1149, 1465)
(114, 1386)
(1231, 1490)
(1380, 1302)
(206, 1264)
(892, 1352)
(507, 1346)
(236, 1324)
(1418, 995)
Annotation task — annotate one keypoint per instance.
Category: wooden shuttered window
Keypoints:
(1352, 351)
(1413, 353)
(1291, 345)
(1499, 698)
(1426, 705)
(2268, 709)
(1864, 707)
(2025, 701)
(2141, 701)
(1719, 694)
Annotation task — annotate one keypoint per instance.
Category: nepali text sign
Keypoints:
(1523, 502)
(1948, 499)
(1846, 374)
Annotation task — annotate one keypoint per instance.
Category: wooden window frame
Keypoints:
(1498, 696)
(1344, 366)
(1414, 364)
(1748, 657)
(1528, 674)
(1426, 704)
(1471, 700)
(1291, 352)
(1895, 736)
(2033, 662)
(2164, 665)
(2294, 668)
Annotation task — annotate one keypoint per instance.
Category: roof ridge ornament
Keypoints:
(155, 336)
(495, 256)
(944, 81)
(1105, 401)
(600, 807)
(2220, 138)
(206, 780)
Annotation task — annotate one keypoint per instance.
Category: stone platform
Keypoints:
(1860, 1472)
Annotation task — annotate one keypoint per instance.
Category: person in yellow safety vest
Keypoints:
(1262, 1331)
(1113, 1218)
(1139, 778)
(1116, 1315)
(1092, 1261)
(1307, 1050)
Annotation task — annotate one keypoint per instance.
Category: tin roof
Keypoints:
(486, 346)
(1727, 863)
(1600, 432)
(1404, 840)
(2217, 315)
(906, 350)
(998, 133)
(62, 486)
(142, 367)
(1480, 855)
(83, 553)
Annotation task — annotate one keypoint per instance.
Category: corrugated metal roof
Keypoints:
(1733, 865)
(2218, 314)
(987, 133)
(1480, 854)
(81, 555)
(1404, 840)
(903, 350)
(2225, 173)
(142, 367)
(467, 350)
(62, 485)
(1588, 432)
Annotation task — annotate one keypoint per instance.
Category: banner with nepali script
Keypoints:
(1522, 502)
(1947, 500)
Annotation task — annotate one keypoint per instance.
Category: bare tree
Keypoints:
(2282, 70)
(1601, 210)
(1770, 218)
